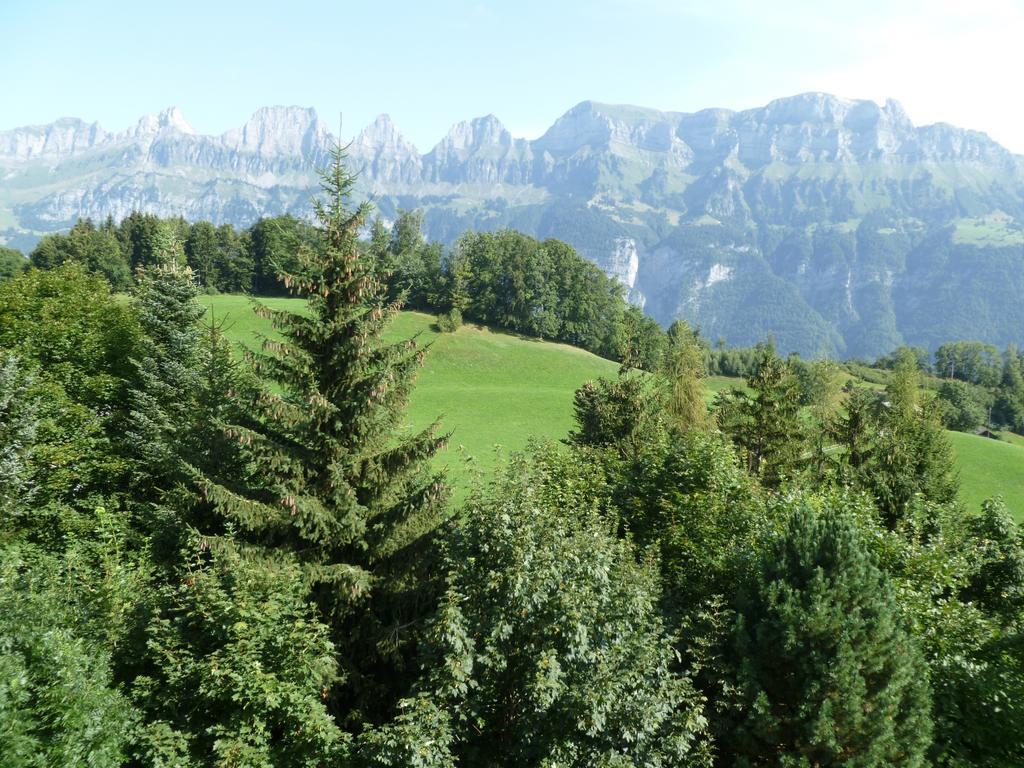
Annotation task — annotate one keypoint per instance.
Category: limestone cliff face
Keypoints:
(624, 261)
(479, 151)
(799, 217)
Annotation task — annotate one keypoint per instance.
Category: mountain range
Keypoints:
(836, 225)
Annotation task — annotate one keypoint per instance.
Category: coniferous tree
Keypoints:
(894, 446)
(621, 413)
(339, 482)
(825, 672)
(764, 423)
(166, 378)
(684, 372)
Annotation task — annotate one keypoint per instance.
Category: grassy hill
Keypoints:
(488, 388)
(497, 389)
(988, 467)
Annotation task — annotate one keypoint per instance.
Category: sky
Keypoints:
(432, 63)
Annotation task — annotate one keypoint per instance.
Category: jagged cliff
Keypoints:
(837, 225)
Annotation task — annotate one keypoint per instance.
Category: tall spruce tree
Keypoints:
(826, 673)
(167, 376)
(339, 481)
(764, 422)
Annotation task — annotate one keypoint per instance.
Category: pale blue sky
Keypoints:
(429, 64)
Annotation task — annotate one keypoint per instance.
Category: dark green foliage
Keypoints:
(732, 361)
(241, 667)
(337, 481)
(18, 425)
(166, 380)
(274, 245)
(893, 446)
(960, 587)
(139, 240)
(202, 253)
(548, 642)
(826, 672)
(765, 422)
(688, 495)
(969, 361)
(12, 263)
(450, 321)
(98, 250)
(622, 413)
(414, 264)
(79, 339)
(964, 407)
(57, 702)
(642, 343)
(542, 289)
(1008, 406)
(233, 263)
(997, 561)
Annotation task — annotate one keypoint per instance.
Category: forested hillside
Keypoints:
(215, 558)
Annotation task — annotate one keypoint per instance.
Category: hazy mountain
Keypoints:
(838, 225)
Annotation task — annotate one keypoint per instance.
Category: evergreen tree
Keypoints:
(338, 480)
(764, 423)
(233, 263)
(622, 413)
(166, 380)
(138, 236)
(201, 253)
(895, 447)
(641, 340)
(684, 372)
(825, 671)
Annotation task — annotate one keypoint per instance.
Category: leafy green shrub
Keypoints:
(450, 321)
(549, 644)
(57, 702)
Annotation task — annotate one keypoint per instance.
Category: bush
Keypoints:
(450, 321)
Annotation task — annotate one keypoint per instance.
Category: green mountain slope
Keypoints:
(497, 389)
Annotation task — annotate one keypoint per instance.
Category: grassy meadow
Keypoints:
(494, 391)
(491, 390)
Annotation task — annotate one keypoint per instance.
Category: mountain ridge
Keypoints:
(804, 217)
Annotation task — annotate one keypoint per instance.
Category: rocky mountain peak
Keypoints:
(280, 131)
(470, 135)
(383, 135)
(59, 139)
(384, 155)
(169, 120)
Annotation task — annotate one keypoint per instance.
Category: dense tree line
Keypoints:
(504, 279)
(209, 560)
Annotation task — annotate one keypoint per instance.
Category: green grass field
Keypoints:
(988, 467)
(488, 388)
(494, 389)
